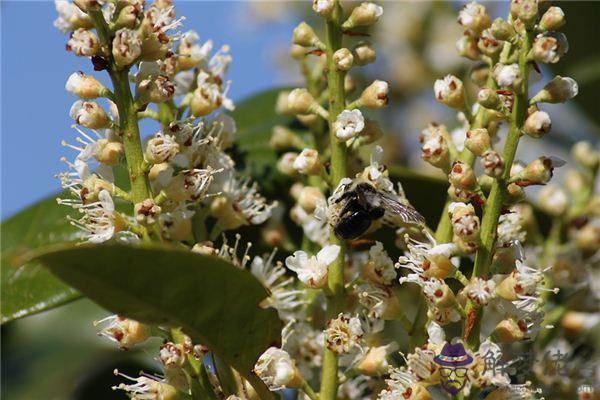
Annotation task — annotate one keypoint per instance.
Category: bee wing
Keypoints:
(408, 214)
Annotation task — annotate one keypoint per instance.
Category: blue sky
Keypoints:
(35, 67)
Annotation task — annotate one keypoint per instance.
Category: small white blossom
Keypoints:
(83, 43)
(348, 124)
(147, 388)
(313, 271)
(481, 291)
(508, 75)
(343, 334)
(276, 368)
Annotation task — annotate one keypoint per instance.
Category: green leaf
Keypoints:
(28, 288)
(214, 302)
(255, 118)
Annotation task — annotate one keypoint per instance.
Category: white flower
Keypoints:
(127, 46)
(323, 7)
(436, 333)
(276, 368)
(508, 75)
(84, 86)
(83, 43)
(379, 267)
(473, 16)
(305, 345)
(283, 297)
(98, 220)
(375, 298)
(313, 271)
(510, 229)
(161, 148)
(348, 124)
(314, 225)
(553, 200)
(70, 16)
(481, 291)
(172, 355)
(343, 334)
(147, 388)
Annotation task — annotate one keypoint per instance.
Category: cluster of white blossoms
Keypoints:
(185, 162)
(369, 298)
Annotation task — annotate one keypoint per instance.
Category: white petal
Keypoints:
(297, 261)
(328, 254)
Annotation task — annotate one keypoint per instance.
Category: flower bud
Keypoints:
(308, 163)
(161, 175)
(434, 147)
(509, 330)
(537, 172)
(515, 193)
(462, 176)
(449, 91)
(305, 36)
(458, 194)
(128, 16)
(126, 47)
(488, 98)
(525, 10)
(283, 138)
(575, 181)
(465, 222)
(538, 124)
(309, 197)
(366, 14)
(466, 46)
(552, 20)
(553, 200)
(109, 152)
(300, 101)
(89, 114)
(146, 212)
(285, 165)
(558, 90)
(85, 86)
(364, 54)
(587, 239)
(584, 154)
(474, 17)
(84, 43)
(324, 7)
(502, 30)
(438, 266)
(508, 76)
(349, 84)
(374, 362)
(343, 59)
(282, 105)
(492, 163)
(308, 120)
(576, 322)
(477, 141)
(549, 48)
(205, 248)
(88, 5)
(277, 369)
(375, 95)
(297, 52)
(479, 75)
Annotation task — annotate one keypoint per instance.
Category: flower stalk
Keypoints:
(335, 280)
(497, 196)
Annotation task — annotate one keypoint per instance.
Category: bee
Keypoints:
(360, 204)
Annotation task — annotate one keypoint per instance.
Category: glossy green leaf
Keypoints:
(255, 118)
(214, 302)
(28, 288)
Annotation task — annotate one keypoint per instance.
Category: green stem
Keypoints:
(497, 195)
(335, 281)
(306, 388)
(129, 129)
